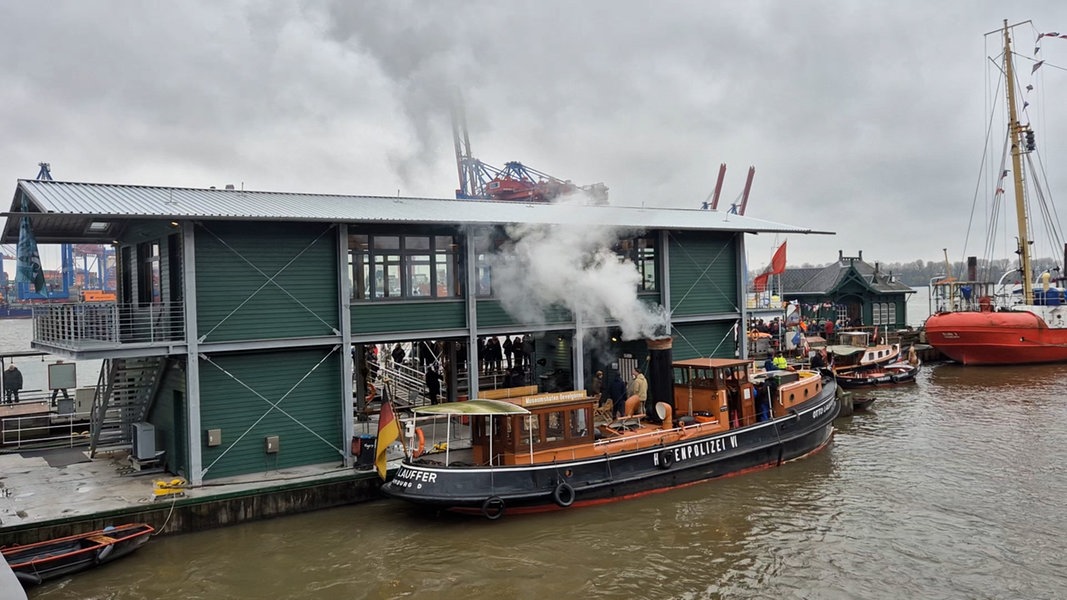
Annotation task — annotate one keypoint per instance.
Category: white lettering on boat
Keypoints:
(406, 477)
(822, 410)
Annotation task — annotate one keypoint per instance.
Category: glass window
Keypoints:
(403, 267)
(641, 252)
(554, 426)
(149, 285)
(530, 427)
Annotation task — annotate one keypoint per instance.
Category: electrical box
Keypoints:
(144, 441)
(272, 444)
(83, 400)
(214, 437)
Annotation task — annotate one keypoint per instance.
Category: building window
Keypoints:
(149, 284)
(390, 267)
(642, 252)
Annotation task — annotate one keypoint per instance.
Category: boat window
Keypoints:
(529, 425)
(554, 426)
(577, 420)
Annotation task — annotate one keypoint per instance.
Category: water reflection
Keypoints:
(951, 488)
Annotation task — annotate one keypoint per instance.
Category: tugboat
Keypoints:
(545, 451)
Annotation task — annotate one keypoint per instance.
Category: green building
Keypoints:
(850, 291)
(244, 331)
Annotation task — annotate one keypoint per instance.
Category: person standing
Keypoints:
(12, 384)
(507, 347)
(638, 390)
(528, 348)
(596, 388)
(398, 354)
(433, 384)
(617, 393)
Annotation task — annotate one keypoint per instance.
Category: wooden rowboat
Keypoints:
(41, 561)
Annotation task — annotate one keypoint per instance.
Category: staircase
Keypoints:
(124, 394)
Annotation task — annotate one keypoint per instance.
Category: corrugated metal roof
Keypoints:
(114, 201)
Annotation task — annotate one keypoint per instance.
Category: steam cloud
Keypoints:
(572, 266)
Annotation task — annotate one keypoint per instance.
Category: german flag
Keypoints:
(388, 432)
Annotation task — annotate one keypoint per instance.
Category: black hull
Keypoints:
(530, 488)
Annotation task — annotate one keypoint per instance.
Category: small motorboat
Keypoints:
(41, 561)
(898, 372)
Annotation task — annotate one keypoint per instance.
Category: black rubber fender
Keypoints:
(666, 459)
(493, 508)
(563, 494)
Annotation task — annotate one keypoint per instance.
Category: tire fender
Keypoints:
(563, 494)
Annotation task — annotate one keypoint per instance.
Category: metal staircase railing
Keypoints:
(124, 394)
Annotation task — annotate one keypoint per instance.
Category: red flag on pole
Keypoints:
(778, 262)
(761, 282)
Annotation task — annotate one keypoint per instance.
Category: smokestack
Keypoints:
(972, 268)
(661, 379)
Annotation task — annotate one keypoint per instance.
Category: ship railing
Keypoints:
(44, 430)
(948, 294)
(80, 324)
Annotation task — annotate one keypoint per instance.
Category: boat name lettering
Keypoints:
(822, 410)
(703, 448)
(406, 477)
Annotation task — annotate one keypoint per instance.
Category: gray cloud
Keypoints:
(863, 119)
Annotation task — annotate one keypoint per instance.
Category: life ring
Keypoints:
(422, 443)
(493, 508)
(371, 392)
(563, 495)
(666, 459)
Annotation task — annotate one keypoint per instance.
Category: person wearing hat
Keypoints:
(12, 384)
(596, 388)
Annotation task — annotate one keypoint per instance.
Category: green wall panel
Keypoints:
(399, 317)
(703, 273)
(169, 415)
(709, 339)
(491, 313)
(307, 420)
(266, 281)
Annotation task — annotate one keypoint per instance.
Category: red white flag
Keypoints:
(778, 262)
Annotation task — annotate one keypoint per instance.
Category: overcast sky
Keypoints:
(865, 118)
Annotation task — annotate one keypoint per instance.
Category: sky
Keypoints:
(867, 119)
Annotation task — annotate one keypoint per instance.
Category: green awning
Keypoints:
(473, 407)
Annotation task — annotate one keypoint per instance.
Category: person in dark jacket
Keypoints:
(617, 393)
(433, 384)
(12, 384)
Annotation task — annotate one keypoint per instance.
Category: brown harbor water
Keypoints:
(952, 487)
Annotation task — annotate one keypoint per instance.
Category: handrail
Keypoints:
(78, 323)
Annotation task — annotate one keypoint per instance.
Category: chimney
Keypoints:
(661, 377)
(972, 268)
(861, 254)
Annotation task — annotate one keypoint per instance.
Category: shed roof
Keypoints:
(823, 280)
(66, 211)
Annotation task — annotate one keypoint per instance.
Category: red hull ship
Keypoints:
(1028, 325)
(996, 338)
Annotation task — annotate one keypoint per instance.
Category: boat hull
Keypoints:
(39, 562)
(610, 477)
(888, 375)
(996, 338)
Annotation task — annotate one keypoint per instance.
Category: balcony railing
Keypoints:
(87, 324)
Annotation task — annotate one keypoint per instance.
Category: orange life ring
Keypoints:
(422, 443)
(371, 391)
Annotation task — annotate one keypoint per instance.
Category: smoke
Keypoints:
(573, 266)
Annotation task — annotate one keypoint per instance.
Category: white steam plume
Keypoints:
(573, 266)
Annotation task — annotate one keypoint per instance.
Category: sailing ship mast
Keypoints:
(1016, 131)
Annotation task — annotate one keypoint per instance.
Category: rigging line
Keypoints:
(1047, 201)
(270, 280)
(978, 183)
(697, 279)
(274, 406)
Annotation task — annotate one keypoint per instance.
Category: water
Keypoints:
(15, 335)
(951, 487)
